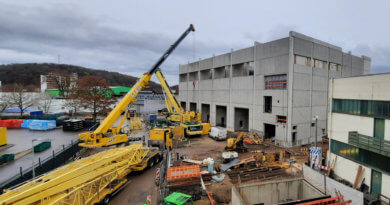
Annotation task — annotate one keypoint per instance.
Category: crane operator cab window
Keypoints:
(195, 128)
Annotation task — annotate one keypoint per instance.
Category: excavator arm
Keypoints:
(100, 137)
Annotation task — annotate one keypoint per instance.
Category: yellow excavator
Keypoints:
(243, 141)
(189, 120)
(105, 134)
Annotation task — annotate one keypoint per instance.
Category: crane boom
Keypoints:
(98, 138)
(171, 98)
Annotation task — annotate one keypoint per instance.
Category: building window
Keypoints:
(370, 108)
(206, 74)
(275, 82)
(359, 155)
(302, 60)
(183, 77)
(334, 66)
(267, 104)
(319, 64)
(281, 119)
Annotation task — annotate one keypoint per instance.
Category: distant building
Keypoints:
(51, 80)
(275, 87)
(359, 130)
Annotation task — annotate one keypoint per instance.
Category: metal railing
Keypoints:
(372, 144)
(57, 159)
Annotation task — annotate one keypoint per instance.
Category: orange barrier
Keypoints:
(11, 123)
(183, 172)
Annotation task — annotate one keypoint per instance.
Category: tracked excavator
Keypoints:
(243, 142)
(106, 134)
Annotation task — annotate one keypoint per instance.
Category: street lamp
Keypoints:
(315, 118)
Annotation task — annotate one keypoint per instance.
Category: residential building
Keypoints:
(359, 130)
(275, 88)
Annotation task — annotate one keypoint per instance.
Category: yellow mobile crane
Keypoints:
(105, 134)
(90, 180)
(189, 120)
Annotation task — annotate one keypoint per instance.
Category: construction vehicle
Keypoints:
(190, 120)
(105, 134)
(135, 121)
(243, 141)
(90, 180)
(161, 137)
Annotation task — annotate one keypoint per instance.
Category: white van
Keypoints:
(218, 133)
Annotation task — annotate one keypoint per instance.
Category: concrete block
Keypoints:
(320, 72)
(192, 67)
(206, 95)
(259, 82)
(347, 59)
(221, 96)
(242, 96)
(346, 71)
(206, 85)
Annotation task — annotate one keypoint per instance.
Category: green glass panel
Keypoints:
(379, 128)
(376, 182)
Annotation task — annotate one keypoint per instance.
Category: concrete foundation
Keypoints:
(274, 192)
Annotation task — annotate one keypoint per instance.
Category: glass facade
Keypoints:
(361, 156)
(379, 109)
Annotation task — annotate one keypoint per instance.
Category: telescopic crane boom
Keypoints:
(105, 134)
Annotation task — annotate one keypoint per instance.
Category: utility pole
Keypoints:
(315, 118)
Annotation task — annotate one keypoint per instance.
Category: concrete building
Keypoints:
(275, 87)
(359, 130)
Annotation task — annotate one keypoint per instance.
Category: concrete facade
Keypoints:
(369, 88)
(294, 71)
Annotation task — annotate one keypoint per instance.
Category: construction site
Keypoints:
(295, 120)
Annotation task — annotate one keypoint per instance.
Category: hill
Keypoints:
(28, 74)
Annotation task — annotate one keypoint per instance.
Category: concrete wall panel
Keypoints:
(335, 56)
(243, 55)
(303, 47)
(273, 48)
(222, 60)
(301, 81)
(206, 64)
(242, 83)
(320, 52)
(320, 83)
(221, 84)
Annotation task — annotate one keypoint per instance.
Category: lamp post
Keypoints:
(33, 168)
(315, 118)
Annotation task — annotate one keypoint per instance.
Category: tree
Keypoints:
(4, 102)
(45, 102)
(73, 103)
(20, 98)
(94, 94)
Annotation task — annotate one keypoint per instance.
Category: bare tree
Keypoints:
(73, 103)
(4, 102)
(20, 98)
(45, 102)
(93, 93)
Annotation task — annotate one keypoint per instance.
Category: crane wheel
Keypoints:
(151, 162)
(106, 200)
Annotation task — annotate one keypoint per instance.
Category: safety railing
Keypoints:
(372, 144)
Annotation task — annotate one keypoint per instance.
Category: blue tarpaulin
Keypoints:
(16, 110)
(42, 124)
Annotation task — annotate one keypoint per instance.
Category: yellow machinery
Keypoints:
(240, 143)
(3, 136)
(161, 137)
(105, 134)
(135, 121)
(89, 180)
(190, 120)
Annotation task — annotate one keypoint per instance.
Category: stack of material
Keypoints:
(185, 179)
(135, 123)
(73, 125)
(16, 123)
(261, 173)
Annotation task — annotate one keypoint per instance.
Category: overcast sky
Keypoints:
(129, 36)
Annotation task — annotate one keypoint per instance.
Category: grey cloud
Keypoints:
(380, 61)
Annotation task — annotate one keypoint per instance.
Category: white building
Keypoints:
(359, 130)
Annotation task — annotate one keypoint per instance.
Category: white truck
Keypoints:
(218, 133)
